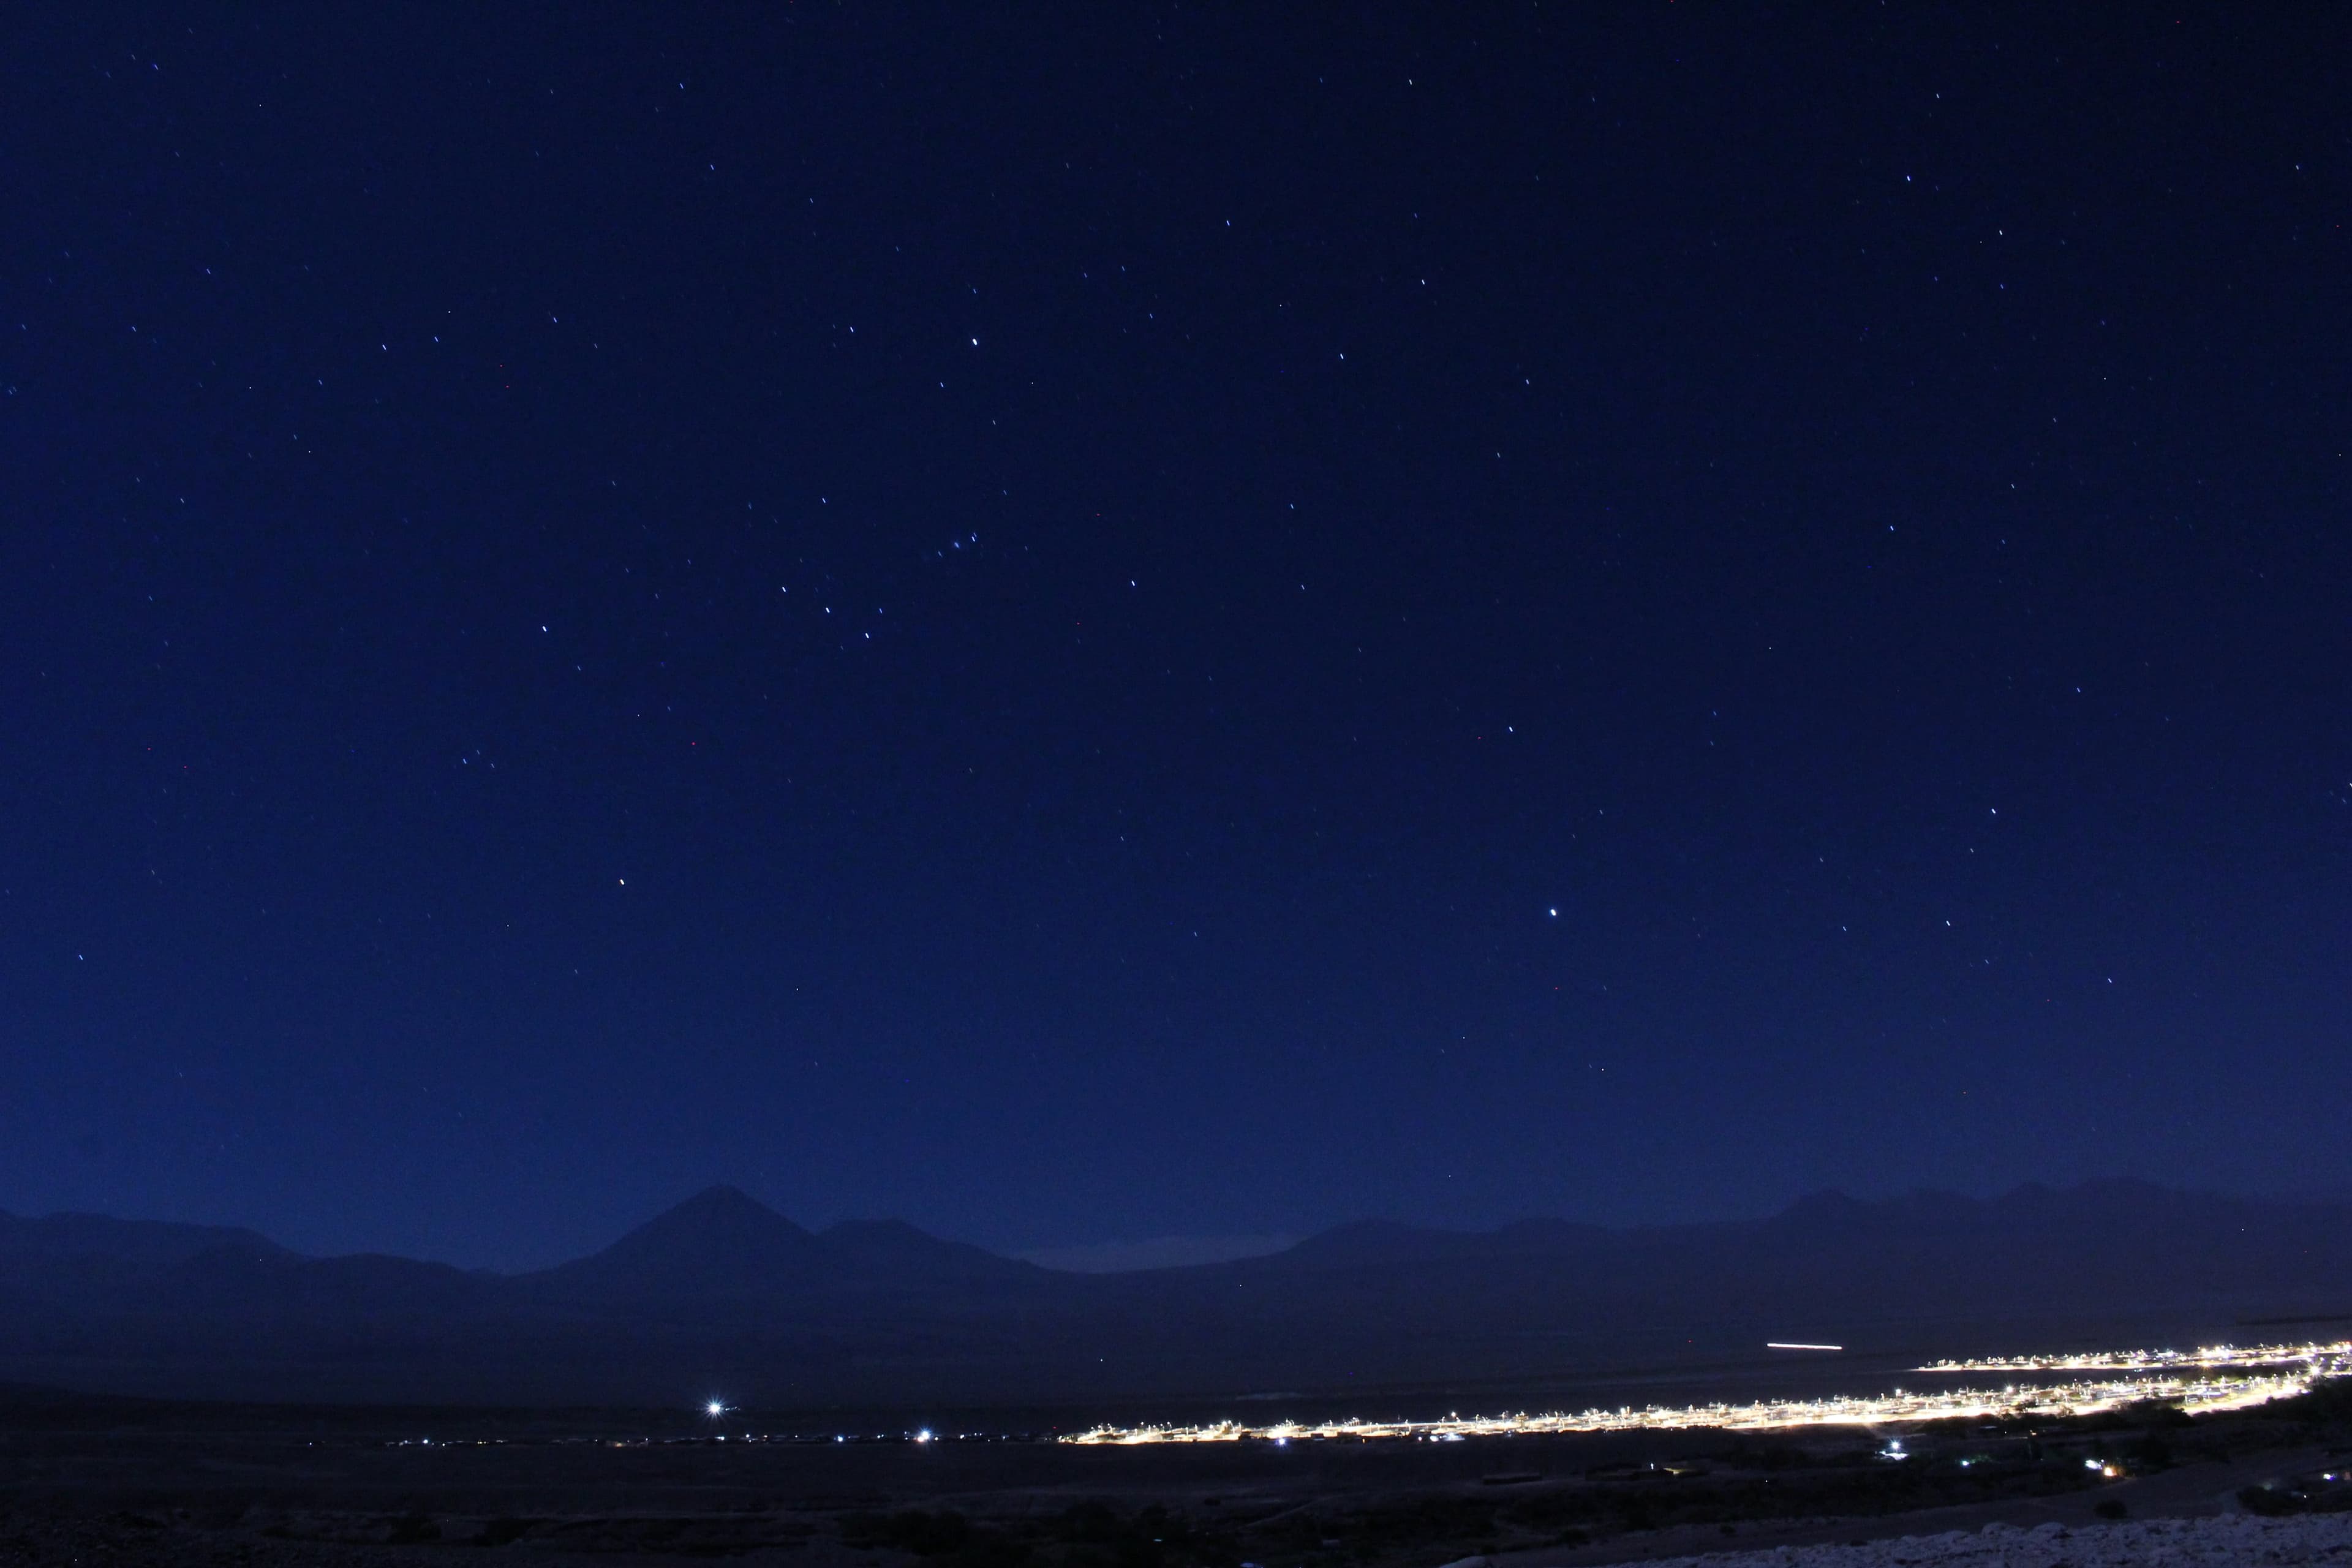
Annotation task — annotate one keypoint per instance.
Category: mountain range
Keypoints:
(722, 1293)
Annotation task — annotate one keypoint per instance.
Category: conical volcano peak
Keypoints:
(722, 1203)
(719, 1217)
(720, 1242)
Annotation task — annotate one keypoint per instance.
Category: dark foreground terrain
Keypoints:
(92, 1481)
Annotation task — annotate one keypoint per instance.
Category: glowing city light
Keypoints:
(2205, 1357)
(2212, 1379)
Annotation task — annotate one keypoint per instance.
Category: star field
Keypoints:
(1153, 623)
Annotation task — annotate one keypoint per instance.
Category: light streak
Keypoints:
(1793, 1345)
(2208, 1380)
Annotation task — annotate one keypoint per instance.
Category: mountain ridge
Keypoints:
(724, 1219)
(723, 1291)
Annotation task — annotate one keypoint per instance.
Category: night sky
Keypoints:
(1119, 622)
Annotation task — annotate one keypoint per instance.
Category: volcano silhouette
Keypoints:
(722, 1292)
(720, 1244)
(724, 1245)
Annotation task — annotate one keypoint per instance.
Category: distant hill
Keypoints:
(722, 1292)
(64, 1251)
(723, 1250)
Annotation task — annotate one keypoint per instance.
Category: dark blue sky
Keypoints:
(1091, 624)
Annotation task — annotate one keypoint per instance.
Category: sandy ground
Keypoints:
(239, 1487)
(2192, 1492)
(2230, 1539)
